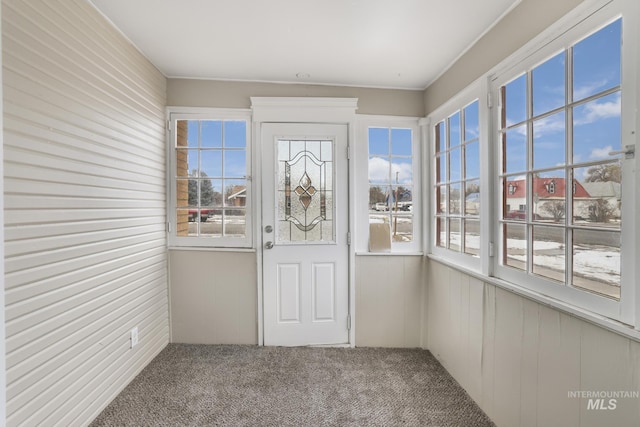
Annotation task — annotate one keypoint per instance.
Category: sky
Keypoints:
(595, 124)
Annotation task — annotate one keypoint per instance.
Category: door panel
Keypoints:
(305, 224)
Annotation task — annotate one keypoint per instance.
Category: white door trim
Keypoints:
(302, 110)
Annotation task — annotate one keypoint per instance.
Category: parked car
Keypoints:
(204, 214)
(381, 207)
(519, 215)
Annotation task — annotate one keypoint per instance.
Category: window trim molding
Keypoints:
(196, 113)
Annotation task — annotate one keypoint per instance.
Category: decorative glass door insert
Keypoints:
(305, 192)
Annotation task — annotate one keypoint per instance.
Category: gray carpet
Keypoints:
(198, 385)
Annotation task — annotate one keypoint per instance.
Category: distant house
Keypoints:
(238, 196)
(608, 191)
(544, 190)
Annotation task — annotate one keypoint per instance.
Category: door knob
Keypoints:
(268, 245)
(268, 229)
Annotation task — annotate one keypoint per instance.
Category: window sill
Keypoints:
(209, 249)
(588, 316)
(389, 254)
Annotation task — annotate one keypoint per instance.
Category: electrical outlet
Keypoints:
(134, 337)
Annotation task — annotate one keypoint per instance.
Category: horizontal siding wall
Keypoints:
(85, 249)
(519, 359)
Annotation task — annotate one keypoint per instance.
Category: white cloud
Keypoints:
(589, 89)
(594, 111)
(379, 171)
(600, 153)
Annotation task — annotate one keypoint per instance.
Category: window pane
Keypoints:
(471, 120)
(211, 223)
(401, 142)
(455, 202)
(596, 262)
(235, 163)
(454, 130)
(441, 143)
(472, 198)
(379, 141)
(549, 252)
(193, 133)
(441, 237)
(455, 166)
(379, 169)
(402, 227)
(548, 85)
(596, 61)
(441, 168)
(515, 101)
(515, 198)
(441, 199)
(597, 197)
(211, 192)
(515, 246)
(549, 196)
(472, 237)
(235, 134)
(549, 141)
(401, 171)
(454, 235)
(378, 198)
(211, 163)
(596, 128)
(234, 222)
(472, 160)
(515, 150)
(235, 192)
(211, 134)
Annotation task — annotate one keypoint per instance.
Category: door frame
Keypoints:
(302, 110)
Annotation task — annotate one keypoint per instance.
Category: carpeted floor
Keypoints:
(198, 385)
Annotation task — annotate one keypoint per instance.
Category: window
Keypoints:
(558, 169)
(210, 192)
(390, 149)
(562, 129)
(456, 191)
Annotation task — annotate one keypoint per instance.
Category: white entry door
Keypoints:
(304, 234)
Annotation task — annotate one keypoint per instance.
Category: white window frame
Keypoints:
(584, 20)
(181, 113)
(475, 91)
(581, 27)
(363, 123)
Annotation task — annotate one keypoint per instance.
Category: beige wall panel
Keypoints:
(85, 241)
(213, 297)
(529, 364)
(558, 368)
(507, 358)
(227, 94)
(525, 357)
(473, 383)
(523, 23)
(604, 366)
(388, 297)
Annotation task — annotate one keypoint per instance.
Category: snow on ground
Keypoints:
(597, 262)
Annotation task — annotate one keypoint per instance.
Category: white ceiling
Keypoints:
(375, 43)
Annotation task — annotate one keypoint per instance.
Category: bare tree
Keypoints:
(604, 173)
(555, 208)
(601, 211)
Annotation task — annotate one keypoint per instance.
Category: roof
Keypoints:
(545, 188)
